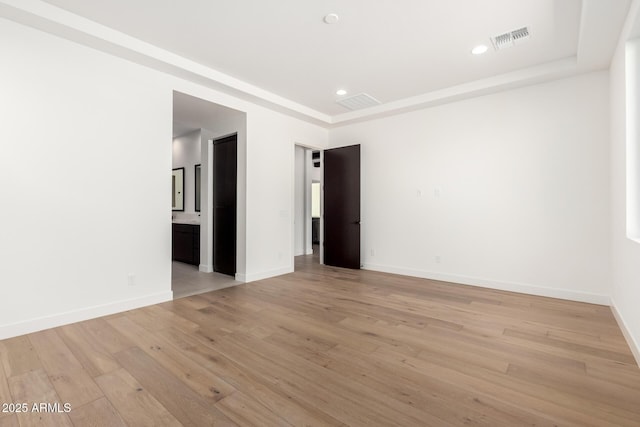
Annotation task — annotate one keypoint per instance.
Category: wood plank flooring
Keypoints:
(327, 346)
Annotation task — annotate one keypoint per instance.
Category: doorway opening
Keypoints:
(307, 206)
(209, 144)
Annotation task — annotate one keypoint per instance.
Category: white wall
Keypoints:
(87, 148)
(270, 189)
(186, 154)
(508, 190)
(625, 252)
(315, 173)
(632, 138)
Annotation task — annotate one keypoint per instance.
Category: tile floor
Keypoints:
(187, 280)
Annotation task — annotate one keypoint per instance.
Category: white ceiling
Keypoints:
(191, 113)
(403, 52)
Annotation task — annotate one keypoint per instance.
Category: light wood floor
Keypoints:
(326, 346)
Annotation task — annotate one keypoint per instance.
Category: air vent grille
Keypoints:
(358, 102)
(519, 34)
(511, 38)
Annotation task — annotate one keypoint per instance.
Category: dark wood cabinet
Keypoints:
(315, 231)
(186, 243)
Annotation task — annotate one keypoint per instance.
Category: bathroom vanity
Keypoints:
(186, 243)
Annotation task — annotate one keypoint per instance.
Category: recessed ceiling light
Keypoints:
(479, 50)
(341, 92)
(331, 18)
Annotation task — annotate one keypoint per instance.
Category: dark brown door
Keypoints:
(342, 207)
(225, 184)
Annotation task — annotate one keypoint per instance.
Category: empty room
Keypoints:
(296, 213)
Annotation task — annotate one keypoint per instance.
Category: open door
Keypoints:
(342, 207)
(225, 185)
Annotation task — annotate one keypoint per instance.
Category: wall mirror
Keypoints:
(177, 187)
(198, 186)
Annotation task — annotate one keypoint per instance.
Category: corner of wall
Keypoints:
(205, 268)
(633, 345)
(253, 277)
(522, 288)
(48, 322)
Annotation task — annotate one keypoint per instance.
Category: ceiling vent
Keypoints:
(358, 102)
(511, 38)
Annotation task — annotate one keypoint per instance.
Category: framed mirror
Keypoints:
(177, 189)
(198, 186)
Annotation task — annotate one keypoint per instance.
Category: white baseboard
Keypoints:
(42, 323)
(493, 284)
(252, 277)
(205, 268)
(633, 344)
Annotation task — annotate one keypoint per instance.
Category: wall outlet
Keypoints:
(436, 193)
(131, 279)
(438, 259)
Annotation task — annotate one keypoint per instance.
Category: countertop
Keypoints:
(186, 221)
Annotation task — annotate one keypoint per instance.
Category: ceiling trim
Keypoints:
(57, 21)
(527, 76)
